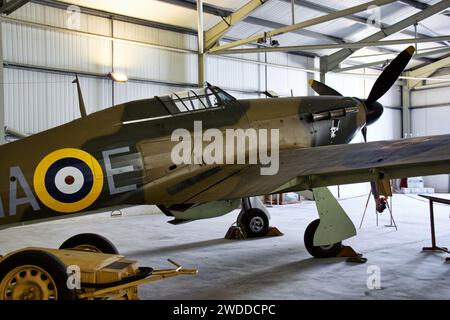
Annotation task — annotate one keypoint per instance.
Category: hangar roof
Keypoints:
(276, 13)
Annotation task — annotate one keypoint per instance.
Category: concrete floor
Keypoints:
(269, 268)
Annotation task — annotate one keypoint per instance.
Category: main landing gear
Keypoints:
(328, 251)
(252, 222)
(335, 250)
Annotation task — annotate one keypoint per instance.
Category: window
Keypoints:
(195, 100)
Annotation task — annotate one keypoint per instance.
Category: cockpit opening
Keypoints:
(196, 99)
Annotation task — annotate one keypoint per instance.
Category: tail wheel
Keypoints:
(34, 275)
(90, 242)
(328, 251)
(255, 223)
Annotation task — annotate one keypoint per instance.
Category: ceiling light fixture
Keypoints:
(118, 77)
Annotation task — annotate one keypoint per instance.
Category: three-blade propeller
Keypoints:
(387, 78)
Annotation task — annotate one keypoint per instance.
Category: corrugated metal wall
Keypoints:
(427, 119)
(37, 100)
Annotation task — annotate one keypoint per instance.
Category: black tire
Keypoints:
(44, 260)
(255, 223)
(95, 242)
(319, 251)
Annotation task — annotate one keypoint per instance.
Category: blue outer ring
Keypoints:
(63, 197)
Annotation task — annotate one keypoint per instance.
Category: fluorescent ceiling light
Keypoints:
(118, 77)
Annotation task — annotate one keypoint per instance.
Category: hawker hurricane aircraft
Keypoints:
(123, 156)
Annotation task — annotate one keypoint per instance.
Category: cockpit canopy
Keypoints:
(196, 99)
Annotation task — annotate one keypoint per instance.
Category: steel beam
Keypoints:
(385, 61)
(421, 6)
(93, 75)
(200, 44)
(217, 31)
(432, 67)
(363, 65)
(354, 17)
(223, 13)
(426, 71)
(406, 112)
(301, 25)
(354, 45)
(9, 7)
(432, 86)
(217, 11)
(337, 57)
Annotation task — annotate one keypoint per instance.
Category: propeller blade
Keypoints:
(390, 74)
(364, 133)
(322, 89)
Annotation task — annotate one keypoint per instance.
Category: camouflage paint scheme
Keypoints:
(134, 164)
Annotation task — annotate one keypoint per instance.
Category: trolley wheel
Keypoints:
(328, 251)
(34, 275)
(90, 242)
(255, 223)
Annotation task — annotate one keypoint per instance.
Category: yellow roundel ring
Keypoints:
(68, 180)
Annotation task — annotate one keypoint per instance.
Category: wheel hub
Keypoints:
(256, 224)
(28, 283)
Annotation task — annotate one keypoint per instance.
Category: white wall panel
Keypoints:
(145, 34)
(283, 80)
(431, 121)
(62, 18)
(430, 97)
(233, 74)
(130, 91)
(347, 85)
(29, 45)
(36, 101)
(155, 64)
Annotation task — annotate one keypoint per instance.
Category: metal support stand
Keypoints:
(365, 210)
(392, 223)
(434, 247)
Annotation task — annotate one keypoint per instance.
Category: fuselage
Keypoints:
(122, 155)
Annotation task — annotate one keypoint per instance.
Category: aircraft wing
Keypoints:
(307, 168)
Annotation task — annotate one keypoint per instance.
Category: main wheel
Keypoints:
(329, 251)
(34, 275)
(90, 242)
(255, 223)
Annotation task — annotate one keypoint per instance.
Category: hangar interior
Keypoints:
(156, 44)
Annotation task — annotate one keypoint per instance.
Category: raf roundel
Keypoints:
(68, 180)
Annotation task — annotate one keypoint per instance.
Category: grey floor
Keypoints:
(269, 268)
